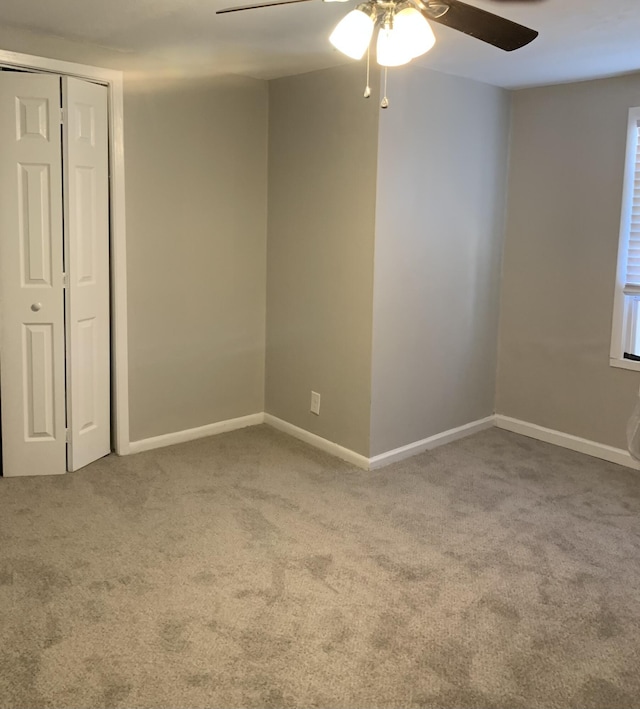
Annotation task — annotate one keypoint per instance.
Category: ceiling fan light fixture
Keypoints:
(391, 50)
(413, 30)
(353, 33)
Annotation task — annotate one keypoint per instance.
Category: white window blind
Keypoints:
(633, 247)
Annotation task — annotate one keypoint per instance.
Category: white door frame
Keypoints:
(118, 251)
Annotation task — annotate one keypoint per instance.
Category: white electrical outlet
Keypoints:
(315, 403)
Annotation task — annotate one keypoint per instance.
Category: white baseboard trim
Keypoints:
(566, 440)
(439, 439)
(379, 461)
(191, 434)
(323, 444)
(531, 430)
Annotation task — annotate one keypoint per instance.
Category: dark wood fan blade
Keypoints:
(255, 7)
(485, 26)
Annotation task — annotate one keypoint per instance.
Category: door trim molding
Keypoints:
(113, 80)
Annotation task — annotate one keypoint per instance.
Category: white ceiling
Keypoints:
(579, 39)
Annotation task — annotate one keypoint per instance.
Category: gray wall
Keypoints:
(322, 191)
(196, 171)
(565, 192)
(196, 190)
(439, 232)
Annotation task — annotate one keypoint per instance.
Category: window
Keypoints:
(625, 341)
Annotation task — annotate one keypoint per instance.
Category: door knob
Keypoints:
(36, 306)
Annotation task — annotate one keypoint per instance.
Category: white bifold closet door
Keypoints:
(32, 358)
(54, 294)
(86, 199)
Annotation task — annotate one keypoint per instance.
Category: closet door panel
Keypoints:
(32, 340)
(85, 145)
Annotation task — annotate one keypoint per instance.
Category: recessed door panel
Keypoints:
(39, 387)
(32, 117)
(84, 179)
(86, 414)
(32, 381)
(85, 123)
(34, 227)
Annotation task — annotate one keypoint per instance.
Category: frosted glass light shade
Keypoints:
(391, 50)
(353, 34)
(413, 31)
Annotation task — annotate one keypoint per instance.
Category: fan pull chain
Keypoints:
(385, 101)
(367, 90)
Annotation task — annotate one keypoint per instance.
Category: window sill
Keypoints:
(625, 364)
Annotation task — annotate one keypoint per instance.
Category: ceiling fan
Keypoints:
(357, 27)
(404, 29)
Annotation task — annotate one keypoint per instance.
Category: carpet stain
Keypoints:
(115, 691)
(339, 632)
(526, 473)
(258, 644)
(172, 633)
(198, 680)
(129, 499)
(274, 699)
(94, 610)
(502, 609)
(204, 578)
(319, 565)
(278, 580)
(385, 635)
(253, 493)
(401, 570)
(597, 692)
(20, 669)
(214, 626)
(34, 579)
(53, 631)
(607, 624)
(256, 525)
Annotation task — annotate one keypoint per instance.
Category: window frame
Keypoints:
(625, 326)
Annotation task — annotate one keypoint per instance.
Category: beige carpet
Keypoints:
(249, 570)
